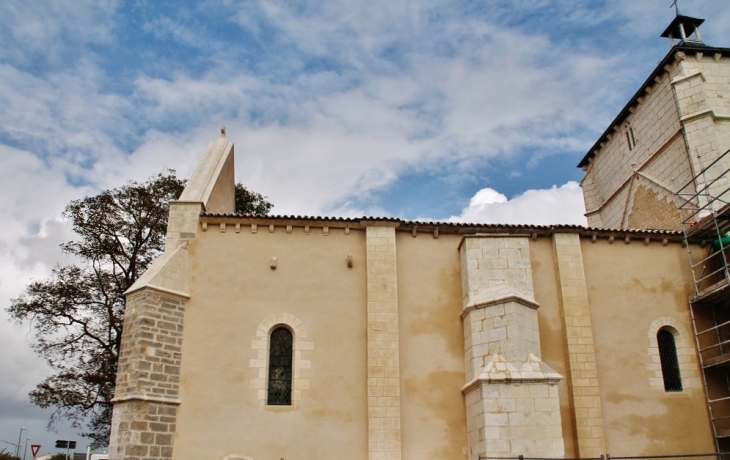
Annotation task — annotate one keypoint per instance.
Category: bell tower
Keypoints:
(684, 30)
(677, 121)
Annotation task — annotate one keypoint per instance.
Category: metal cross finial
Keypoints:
(223, 131)
(676, 7)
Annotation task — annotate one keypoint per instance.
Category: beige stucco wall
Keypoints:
(233, 290)
(630, 286)
(313, 283)
(552, 331)
(432, 346)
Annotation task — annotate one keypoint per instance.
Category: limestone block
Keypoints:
(513, 409)
(384, 435)
(579, 339)
(212, 182)
(494, 263)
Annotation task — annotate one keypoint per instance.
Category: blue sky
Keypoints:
(470, 111)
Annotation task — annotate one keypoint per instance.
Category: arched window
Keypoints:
(280, 367)
(670, 363)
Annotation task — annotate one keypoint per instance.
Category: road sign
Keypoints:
(34, 448)
(63, 444)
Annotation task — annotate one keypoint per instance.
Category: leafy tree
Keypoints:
(60, 456)
(4, 455)
(77, 313)
(252, 203)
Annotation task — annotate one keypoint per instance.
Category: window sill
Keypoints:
(281, 408)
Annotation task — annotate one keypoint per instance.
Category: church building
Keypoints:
(289, 337)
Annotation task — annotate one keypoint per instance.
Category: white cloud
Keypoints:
(51, 29)
(556, 205)
(322, 139)
(33, 196)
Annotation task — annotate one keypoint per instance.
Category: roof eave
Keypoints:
(446, 227)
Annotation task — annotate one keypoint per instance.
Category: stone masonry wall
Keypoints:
(591, 199)
(511, 396)
(146, 428)
(182, 223)
(703, 97)
(685, 115)
(583, 374)
(509, 329)
(384, 429)
(147, 391)
(515, 420)
(651, 207)
(658, 152)
(492, 262)
(496, 265)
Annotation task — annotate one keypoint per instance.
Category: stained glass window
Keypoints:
(280, 367)
(670, 364)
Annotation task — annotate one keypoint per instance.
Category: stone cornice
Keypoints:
(513, 298)
(138, 397)
(162, 290)
(499, 371)
(467, 230)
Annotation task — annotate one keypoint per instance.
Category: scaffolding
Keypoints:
(704, 208)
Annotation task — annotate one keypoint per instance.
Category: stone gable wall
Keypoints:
(658, 153)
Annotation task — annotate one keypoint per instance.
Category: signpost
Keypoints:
(63, 444)
(34, 448)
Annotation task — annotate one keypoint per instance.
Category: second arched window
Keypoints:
(669, 361)
(280, 367)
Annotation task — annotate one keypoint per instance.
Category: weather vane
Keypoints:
(676, 7)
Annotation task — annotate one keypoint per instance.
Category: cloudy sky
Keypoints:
(430, 109)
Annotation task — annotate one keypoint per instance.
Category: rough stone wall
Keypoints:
(147, 390)
(651, 208)
(148, 430)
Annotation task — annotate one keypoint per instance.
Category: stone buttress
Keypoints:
(148, 377)
(511, 396)
(383, 359)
